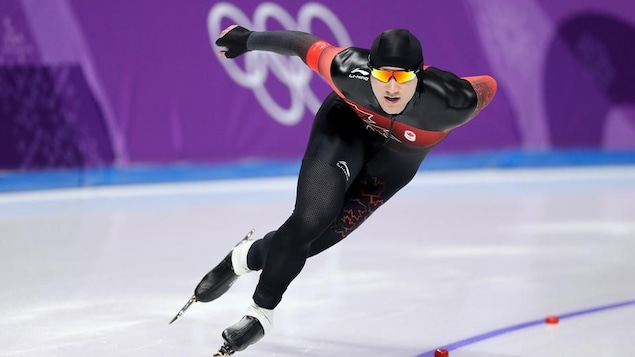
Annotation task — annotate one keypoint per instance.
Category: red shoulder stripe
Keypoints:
(314, 52)
(319, 58)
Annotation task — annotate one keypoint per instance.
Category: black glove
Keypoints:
(235, 41)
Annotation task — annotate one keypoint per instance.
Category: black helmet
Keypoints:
(396, 48)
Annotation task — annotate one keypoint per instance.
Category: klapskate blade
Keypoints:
(182, 311)
(251, 232)
(193, 298)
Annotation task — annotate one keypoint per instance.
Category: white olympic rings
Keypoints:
(290, 71)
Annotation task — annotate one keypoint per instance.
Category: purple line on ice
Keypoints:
(505, 330)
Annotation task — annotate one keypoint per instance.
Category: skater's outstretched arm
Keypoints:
(239, 40)
(315, 52)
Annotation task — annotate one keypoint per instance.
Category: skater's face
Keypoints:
(393, 87)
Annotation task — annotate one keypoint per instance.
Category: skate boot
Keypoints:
(249, 330)
(218, 280)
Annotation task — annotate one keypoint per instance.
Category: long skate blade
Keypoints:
(251, 232)
(187, 305)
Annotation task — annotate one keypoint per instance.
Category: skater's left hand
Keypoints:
(234, 38)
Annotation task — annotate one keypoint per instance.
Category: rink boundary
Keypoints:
(505, 330)
(435, 181)
(11, 181)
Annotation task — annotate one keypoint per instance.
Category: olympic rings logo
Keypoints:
(290, 71)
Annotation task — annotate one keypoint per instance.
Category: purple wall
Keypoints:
(91, 83)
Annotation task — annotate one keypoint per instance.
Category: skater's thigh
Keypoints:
(388, 172)
(384, 174)
(337, 137)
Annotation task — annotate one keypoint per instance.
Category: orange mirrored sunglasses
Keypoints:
(384, 75)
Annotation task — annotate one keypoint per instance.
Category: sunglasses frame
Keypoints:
(392, 75)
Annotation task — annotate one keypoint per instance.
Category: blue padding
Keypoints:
(38, 180)
(520, 159)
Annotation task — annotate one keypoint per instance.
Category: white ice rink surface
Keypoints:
(457, 259)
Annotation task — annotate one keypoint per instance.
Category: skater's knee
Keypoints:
(311, 225)
(320, 210)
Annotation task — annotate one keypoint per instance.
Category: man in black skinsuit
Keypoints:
(371, 134)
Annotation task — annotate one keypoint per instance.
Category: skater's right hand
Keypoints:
(234, 38)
